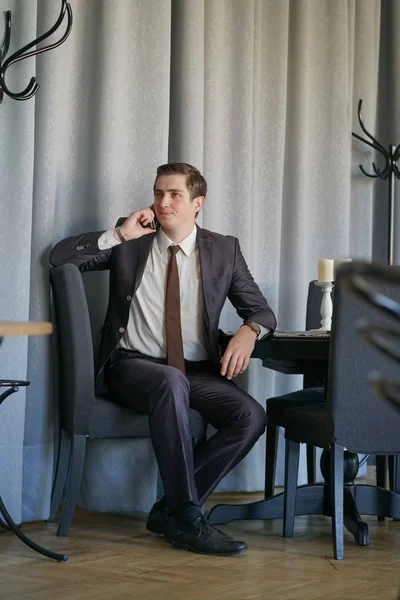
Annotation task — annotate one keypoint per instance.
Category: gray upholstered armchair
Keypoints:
(83, 414)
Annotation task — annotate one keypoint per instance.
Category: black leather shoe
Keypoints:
(202, 537)
(157, 519)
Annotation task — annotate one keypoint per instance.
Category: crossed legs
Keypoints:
(149, 386)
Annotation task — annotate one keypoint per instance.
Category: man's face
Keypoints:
(172, 203)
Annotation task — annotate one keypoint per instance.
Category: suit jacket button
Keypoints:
(121, 329)
(129, 298)
(79, 248)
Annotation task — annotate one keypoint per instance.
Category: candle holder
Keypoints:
(326, 305)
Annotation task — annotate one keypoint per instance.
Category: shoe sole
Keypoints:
(177, 546)
(156, 531)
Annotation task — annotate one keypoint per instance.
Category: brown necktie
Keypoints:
(173, 327)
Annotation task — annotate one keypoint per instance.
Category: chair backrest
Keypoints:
(360, 420)
(75, 348)
(313, 321)
(313, 312)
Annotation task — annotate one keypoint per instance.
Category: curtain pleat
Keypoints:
(259, 94)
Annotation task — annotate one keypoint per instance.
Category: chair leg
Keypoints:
(381, 464)
(271, 449)
(337, 453)
(64, 452)
(395, 468)
(78, 451)
(396, 474)
(310, 464)
(290, 492)
(392, 468)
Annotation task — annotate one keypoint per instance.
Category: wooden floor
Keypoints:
(112, 556)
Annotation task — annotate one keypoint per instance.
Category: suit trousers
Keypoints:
(149, 386)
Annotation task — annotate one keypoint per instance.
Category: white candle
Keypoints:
(325, 269)
(339, 261)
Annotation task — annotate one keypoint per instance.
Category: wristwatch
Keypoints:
(254, 327)
(119, 234)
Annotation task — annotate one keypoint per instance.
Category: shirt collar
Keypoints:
(187, 245)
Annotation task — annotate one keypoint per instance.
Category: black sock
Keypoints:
(162, 502)
(189, 512)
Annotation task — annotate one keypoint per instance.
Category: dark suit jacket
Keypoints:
(223, 270)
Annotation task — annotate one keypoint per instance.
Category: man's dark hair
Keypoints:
(195, 182)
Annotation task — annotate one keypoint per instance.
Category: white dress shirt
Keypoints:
(146, 328)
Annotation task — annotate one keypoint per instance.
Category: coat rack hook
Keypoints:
(389, 172)
(23, 53)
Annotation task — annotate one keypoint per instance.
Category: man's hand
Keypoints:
(237, 354)
(135, 225)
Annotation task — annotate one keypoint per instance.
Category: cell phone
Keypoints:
(153, 224)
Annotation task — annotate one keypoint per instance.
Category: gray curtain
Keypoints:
(261, 95)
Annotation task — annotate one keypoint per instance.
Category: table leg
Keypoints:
(310, 501)
(352, 520)
(315, 499)
(351, 516)
(26, 540)
(12, 388)
(4, 526)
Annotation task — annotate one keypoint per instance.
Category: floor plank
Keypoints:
(112, 556)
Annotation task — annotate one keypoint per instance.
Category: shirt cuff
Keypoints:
(107, 240)
(264, 332)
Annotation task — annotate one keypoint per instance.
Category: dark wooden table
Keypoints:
(300, 354)
(309, 355)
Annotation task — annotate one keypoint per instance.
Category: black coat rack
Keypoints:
(389, 172)
(26, 52)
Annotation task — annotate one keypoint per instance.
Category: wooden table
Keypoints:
(25, 328)
(12, 328)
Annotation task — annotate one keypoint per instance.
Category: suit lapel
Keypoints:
(205, 255)
(145, 244)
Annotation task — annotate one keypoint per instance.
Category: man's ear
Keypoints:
(198, 203)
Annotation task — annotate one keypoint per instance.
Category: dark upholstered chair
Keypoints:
(353, 417)
(83, 414)
(312, 395)
(276, 407)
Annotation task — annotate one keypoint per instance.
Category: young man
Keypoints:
(159, 352)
